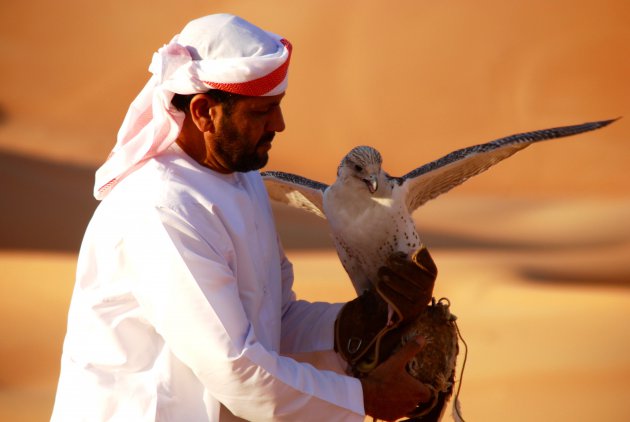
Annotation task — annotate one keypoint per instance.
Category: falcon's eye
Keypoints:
(358, 167)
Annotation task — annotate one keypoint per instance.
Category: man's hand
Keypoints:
(407, 284)
(389, 392)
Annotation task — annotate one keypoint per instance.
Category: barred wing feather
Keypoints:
(440, 176)
(295, 191)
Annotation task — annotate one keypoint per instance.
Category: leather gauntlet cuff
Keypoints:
(359, 330)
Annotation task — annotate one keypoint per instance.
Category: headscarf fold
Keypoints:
(214, 52)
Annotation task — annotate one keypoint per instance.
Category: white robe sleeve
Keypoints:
(306, 327)
(188, 293)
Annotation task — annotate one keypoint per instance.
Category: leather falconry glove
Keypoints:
(407, 285)
(365, 332)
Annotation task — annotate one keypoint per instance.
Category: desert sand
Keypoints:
(534, 255)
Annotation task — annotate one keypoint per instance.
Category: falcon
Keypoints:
(369, 211)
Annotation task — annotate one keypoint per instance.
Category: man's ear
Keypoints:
(203, 111)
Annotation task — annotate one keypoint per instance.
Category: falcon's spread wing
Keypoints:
(296, 191)
(440, 176)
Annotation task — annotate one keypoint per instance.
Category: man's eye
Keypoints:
(261, 112)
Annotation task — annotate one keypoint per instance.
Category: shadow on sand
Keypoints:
(573, 277)
(45, 205)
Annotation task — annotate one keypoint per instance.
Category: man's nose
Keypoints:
(276, 121)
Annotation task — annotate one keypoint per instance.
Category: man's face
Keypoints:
(244, 132)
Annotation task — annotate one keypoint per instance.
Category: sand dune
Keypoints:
(533, 254)
(429, 77)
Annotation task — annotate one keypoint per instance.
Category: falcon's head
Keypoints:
(362, 163)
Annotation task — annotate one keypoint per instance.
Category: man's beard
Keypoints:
(237, 153)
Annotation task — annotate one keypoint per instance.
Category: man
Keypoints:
(183, 306)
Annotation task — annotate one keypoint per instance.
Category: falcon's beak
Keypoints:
(372, 183)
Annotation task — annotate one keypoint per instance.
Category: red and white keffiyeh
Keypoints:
(214, 52)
